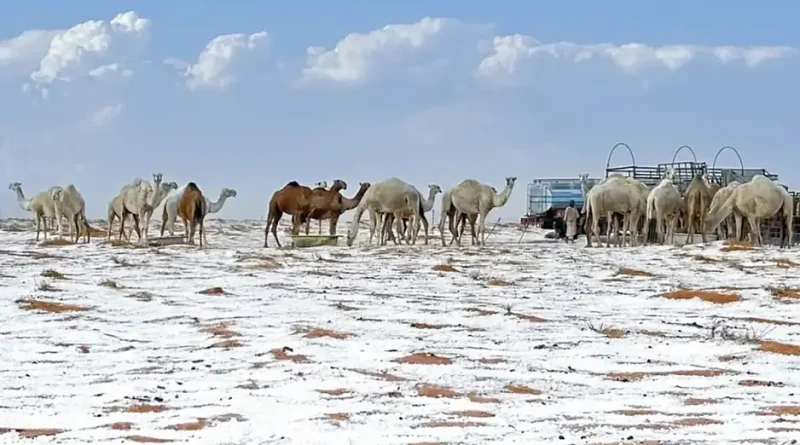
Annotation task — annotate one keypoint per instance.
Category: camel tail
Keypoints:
(651, 207)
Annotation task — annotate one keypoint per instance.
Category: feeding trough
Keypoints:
(314, 240)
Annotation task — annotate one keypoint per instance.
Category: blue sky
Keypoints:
(430, 92)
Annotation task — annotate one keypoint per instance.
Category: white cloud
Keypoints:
(355, 56)
(28, 47)
(508, 53)
(216, 65)
(90, 43)
(110, 69)
(104, 116)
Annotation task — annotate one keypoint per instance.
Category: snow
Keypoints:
(148, 342)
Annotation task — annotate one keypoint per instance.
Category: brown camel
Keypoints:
(338, 205)
(294, 199)
(697, 200)
(192, 211)
(323, 201)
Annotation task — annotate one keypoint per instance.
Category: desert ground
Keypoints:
(531, 342)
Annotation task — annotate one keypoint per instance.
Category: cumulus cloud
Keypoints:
(355, 57)
(111, 69)
(87, 47)
(104, 116)
(216, 66)
(507, 54)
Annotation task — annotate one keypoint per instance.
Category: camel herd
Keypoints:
(704, 207)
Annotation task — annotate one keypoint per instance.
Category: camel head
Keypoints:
(55, 193)
(157, 178)
(227, 193)
(510, 181)
(583, 177)
(166, 187)
(363, 187)
(669, 174)
(15, 186)
(434, 189)
(339, 185)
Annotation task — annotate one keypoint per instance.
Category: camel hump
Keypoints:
(192, 186)
(292, 184)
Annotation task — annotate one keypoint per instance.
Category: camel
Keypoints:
(192, 208)
(663, 204)
(170, 211)
(758, 199)
(470, 197)
(391, 195)
(426, 205)
(69, 202)
(731, 224)
(697, 200)
(294, 199)
(337, 207)
(322, 200)
(139, 201)
(116, 207)
(449, 212)
(41, 206)
(615, 194)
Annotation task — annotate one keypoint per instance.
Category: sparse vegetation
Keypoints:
(53, 274)
(785, 293)
(444, 268)
(110, 284)
(609, 332)
(720, 329)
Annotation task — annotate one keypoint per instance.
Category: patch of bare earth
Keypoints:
(785, 293)
(227, 344)
(531, 318)
(629, 272)
(436, 391)
(49, 306)
(785, 263)
(222, 330)
(694, 402)
(423, 358)
(285, 354)
(121, 426)
(522, 389)
(147, 439)
(30, 433)
(381, 375)
(636, 376)
(335, 392)
(736, 246)
(479, 311)
(189, 426)
(339, 417)
(779, 348)
(472, 413)
(145, 408)
(696, 421)
(213, 291)
(475, 398)
(444, 268)
(705, 295)
(498, 282)
(310, 332)
(56, 242)
(430, 326)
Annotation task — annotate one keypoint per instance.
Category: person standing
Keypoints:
(571, 217)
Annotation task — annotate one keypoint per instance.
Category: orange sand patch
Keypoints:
(472, 413)
(213, 291)
(779, 348)
(335, 392)
(709, 296)
(635, 376)
(144, 408)
(49, 306)
(633, 272)
(309, 332)
(785, 293)
(121, 426)
(436, 391)
(423, 358)
(220, 330)
(522, 389)
(339, 417)
(444, 268)
(285, 355)
(190, 426)
(736, 246)
(474, 398)
(31, 433)
(786, 410)
(480, 311)
(531, 318)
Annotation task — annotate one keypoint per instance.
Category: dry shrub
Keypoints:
(785, 263)
(46, 287)
(705, 295)
(609, 332)
(444, 268)
(497, 282)
(213, 291)
(423, 358)
(56, 242)
(522, 389)
(309, 332)
(633, 272)
(97, 233)
(284, 354)
(480, 311)
(636, 412)
(110, 284)
(220, 330)
(736, 246)
(785, 293)
(491, 361)
(53, 274)
(779, 348)
(49, 306)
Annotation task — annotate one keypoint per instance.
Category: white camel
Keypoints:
(470, 197)
(756, 200)
(426, 205)
(116, 207)
(170, 212)
(448, 213)
(615, 194)
(41, 206)
(392, 195)
(663, 204)
(732, 223)
(140, 201)
(69, 202)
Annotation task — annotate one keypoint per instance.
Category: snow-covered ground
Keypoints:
(531, 342)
